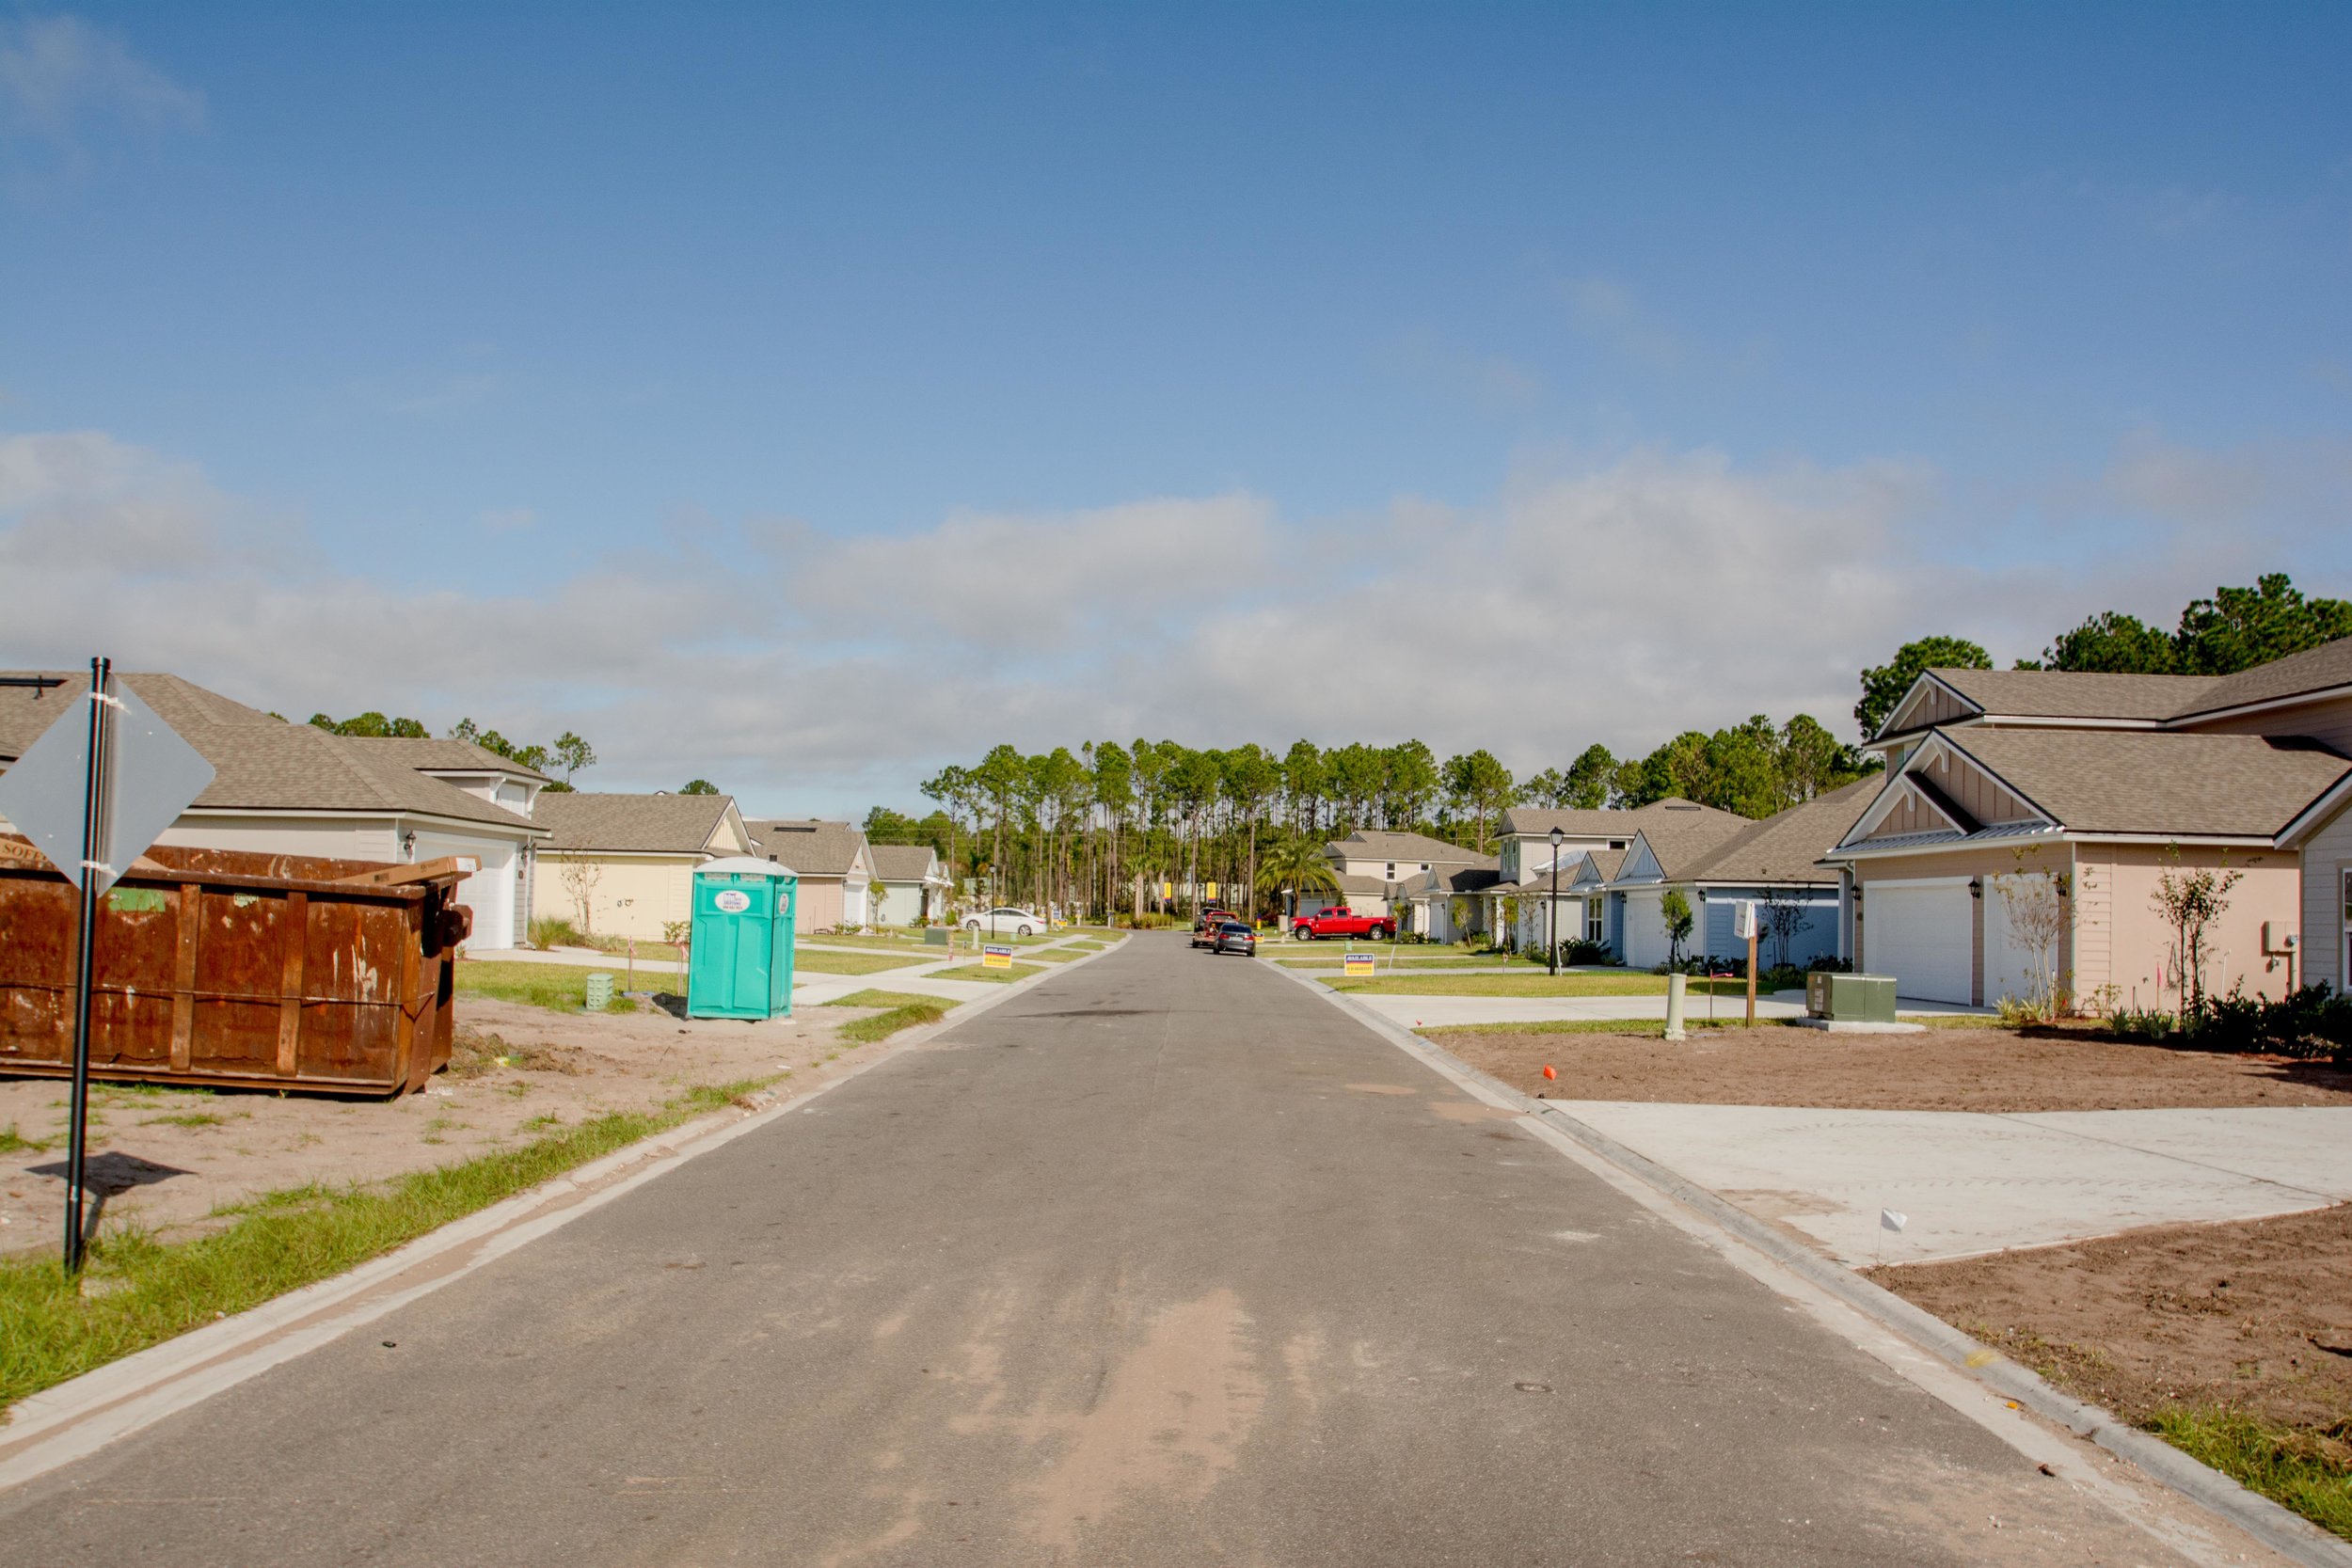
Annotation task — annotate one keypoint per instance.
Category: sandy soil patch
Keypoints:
(175, 1157)
(2254, 1316)
(1944, 1069)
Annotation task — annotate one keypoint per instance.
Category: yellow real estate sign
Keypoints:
(996, 957)
(1358, 963)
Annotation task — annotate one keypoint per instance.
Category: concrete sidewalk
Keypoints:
(1415, 1012)
(1970, 1182)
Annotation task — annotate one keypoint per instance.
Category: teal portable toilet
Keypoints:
(739, 961)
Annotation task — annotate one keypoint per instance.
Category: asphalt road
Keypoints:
(1166, 1261)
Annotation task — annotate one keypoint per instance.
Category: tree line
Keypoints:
(567, 755)
(1111, 823)
(2234, 630)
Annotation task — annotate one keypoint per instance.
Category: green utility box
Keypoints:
(1850, 998)
(740, 953)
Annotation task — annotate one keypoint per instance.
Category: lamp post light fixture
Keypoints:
(1551, 916)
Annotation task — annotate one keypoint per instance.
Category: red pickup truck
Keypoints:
(1343, 922)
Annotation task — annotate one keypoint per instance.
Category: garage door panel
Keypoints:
(1921, 936)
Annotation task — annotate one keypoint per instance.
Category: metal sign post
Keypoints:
(90, 795)
(97, 794)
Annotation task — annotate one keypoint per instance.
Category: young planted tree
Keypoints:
(2040, 910)
(2191, 903)
(1786, 918)
(579, 877)
(1674, 909)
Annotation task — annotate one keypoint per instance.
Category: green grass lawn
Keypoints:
(900, 1010)
(979, 972)
(1535, 984)
(2285, 1466)
(885, 941)
(143, 1292)
(1653, 1028)
(810, 961)
(1328, 955)
(563, 986)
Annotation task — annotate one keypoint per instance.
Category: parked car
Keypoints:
(1006, 921)
(1235, 937)
(1341, 921)
(1204, 926)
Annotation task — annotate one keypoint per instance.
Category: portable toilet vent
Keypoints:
(740, 946)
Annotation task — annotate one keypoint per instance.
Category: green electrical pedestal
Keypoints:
(740, 951)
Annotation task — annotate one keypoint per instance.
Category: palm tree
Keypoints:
(1296, 863)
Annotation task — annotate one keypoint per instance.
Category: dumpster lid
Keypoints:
(744, 865)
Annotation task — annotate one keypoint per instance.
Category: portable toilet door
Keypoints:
(740, 957)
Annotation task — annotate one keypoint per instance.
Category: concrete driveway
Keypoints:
(1970, 1182)
(1166, 1261)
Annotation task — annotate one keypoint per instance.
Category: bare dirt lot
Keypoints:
(2254, 1316)
(169, 1159)
(1944, 1069)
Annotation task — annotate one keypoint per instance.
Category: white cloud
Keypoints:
(1618, 600)
(58, 74)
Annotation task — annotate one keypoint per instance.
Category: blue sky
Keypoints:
(803, 399)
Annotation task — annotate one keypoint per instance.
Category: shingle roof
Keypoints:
(2172, 782)
(811, 847)
(1785, 847)
(1610, 823)
(448, 756)
(902, 862)
(2077, 693)
(1379, 844)
(1606, 862)
(2084, 694)
(633, 824)
(1678, 843)
(260, 761)
(2313, 670)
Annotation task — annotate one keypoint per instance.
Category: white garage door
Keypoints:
(1919, 933)
(1645, 931)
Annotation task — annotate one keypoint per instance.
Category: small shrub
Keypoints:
(1830, 963)
(2133, 1024)
(554, 931)
(1575, 950)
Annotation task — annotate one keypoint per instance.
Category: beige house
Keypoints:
(836, 867)
(292, 789)
(1372, 868)
(2010, 788)
(623, 866)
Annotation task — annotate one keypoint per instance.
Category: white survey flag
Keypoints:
(1889, 1220)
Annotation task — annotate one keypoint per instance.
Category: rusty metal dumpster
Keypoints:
(235, 968)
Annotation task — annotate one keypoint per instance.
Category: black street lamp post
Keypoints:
(1551, 916)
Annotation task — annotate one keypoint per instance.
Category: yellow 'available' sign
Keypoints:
(1360, 963)
(996, 957)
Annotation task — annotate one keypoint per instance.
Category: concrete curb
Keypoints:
(79, 1417)
(2275, 1527)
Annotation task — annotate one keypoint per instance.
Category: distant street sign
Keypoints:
(996, 957)
(153, 776)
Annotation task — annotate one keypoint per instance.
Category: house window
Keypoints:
(1616, 844)
(1592, 920)
(1392, 870)
(1424, 865)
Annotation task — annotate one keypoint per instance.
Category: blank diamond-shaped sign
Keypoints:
(155, 776)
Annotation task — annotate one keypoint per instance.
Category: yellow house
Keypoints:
(623, 866)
